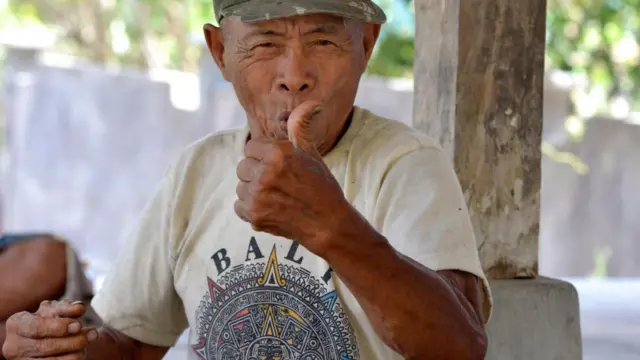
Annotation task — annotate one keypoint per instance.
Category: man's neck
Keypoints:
(342, 132)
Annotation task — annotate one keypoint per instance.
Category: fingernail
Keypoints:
(76, 303)
(74, 328)
(92, 335)
(317, 110)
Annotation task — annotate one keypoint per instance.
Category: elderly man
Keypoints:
(320, 231)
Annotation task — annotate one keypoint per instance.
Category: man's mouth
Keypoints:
(283, 119)
(284, 116)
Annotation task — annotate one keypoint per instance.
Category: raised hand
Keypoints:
(53, 332)
(286, 189)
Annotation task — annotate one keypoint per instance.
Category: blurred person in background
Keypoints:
(32, 269)
(319, 231)
(37, 267)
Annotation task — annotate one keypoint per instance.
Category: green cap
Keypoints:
(259, 10)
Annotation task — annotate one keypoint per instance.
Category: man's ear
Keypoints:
(215, 42)
(371, 33)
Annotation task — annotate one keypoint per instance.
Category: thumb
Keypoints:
(299, 126)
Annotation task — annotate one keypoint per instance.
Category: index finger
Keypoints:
(35, 327)
(64, 308)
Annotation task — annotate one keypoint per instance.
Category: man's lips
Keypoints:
(283, 119)
(284, 116)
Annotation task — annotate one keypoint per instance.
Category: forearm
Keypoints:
(113, 345)
(413, 309)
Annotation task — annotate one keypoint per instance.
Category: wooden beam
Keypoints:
(436, 66)
(498, 71)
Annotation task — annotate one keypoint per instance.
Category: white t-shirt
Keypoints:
(192, 263)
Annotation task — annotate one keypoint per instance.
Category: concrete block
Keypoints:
(534, 319)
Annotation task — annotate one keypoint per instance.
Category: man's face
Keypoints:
(276, 65)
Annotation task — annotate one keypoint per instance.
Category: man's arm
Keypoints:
(138, 298)
(420, 313)
(113, 345)
(401, 265)
(418, 210)
(413, 263)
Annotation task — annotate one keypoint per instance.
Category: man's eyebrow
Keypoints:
(262, 32)
(328, 29)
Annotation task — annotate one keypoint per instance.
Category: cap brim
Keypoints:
(261, 10)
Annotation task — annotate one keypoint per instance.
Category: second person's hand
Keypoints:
(52, 332)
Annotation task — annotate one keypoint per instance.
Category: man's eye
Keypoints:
(265, 45)
(323, 42)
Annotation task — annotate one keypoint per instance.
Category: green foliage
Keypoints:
(597, 40)
(394, 56)
(144, 33)
(150, 33)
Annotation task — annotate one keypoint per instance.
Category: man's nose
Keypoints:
(296, 73)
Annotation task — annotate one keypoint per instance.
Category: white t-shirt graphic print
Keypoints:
(192, 263)
(274, 308)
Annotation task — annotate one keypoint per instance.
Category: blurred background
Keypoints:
(99, 95)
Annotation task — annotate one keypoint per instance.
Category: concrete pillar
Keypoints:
(479, 82)
(435, 69)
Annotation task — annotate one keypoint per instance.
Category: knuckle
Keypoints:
(21, 325)
(255, 223)
(258, 221)
(59, 327)
(276, 156)
(265, 180)
(259, 187)
(253, 205)
(15, 320)
(33, 327)
(47, 308)
(45, 304)
(10, 348)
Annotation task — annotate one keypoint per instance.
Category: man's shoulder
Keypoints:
(208, 160)
(390, 139)
(220, 148)
(224, 142)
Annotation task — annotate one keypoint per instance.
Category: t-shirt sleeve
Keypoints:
(421, 210)
(138, 297)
